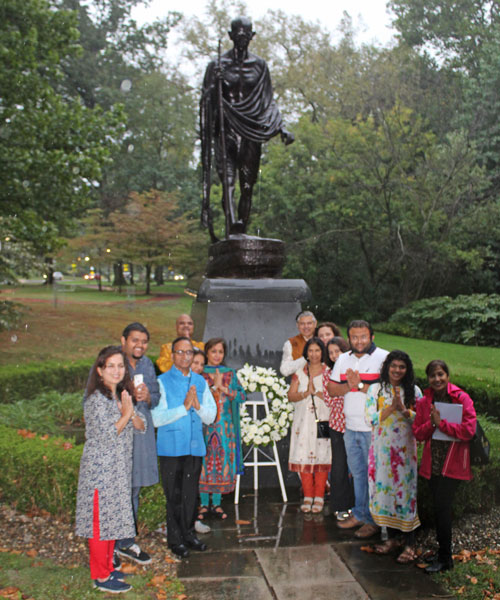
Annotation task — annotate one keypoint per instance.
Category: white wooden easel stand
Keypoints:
(258, 452)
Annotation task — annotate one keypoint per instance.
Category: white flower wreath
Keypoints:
(274, 426)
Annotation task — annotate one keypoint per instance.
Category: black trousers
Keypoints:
(443, 491)
(180, 476)
(341, 488)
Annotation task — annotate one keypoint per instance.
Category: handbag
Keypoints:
(479, 447)
(322, 427)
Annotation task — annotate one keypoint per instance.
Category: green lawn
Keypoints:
(474, 361)
(75, 324)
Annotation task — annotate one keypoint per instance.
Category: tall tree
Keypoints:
(52, 148)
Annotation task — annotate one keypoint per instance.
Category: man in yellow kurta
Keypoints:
(184, 326)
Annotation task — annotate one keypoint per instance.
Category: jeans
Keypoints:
(127, 542)
(357, 444)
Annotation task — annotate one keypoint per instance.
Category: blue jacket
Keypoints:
(180, 430)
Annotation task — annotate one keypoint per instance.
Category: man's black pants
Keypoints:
(180, 476)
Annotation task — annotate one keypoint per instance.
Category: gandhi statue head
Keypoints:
(241, 32)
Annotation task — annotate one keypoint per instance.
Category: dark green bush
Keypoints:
(38, 472)
(48, 413)
(21, 382)
(473, 320)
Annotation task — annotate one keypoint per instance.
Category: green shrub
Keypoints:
(472, 319)
(23, 381)
(38, 472)
(47, 413)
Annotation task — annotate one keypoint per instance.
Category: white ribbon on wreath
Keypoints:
(274, 426)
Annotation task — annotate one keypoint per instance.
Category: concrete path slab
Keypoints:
(312, 572)
(267, 550)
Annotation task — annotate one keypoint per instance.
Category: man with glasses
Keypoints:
(292, 359)
(351, 376)
(185, 403)
(184, 326)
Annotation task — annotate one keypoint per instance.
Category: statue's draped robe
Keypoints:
(250, 111)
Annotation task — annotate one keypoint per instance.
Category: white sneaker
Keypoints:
(200, 527)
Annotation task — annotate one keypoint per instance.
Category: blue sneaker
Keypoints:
(112, 586)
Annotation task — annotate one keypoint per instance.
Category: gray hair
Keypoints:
(305, 313)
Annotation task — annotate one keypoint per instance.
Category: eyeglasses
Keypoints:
(184, 352)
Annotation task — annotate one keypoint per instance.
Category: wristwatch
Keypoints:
(361, 385)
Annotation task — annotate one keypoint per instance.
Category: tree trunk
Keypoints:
(49, 266)
(131, 269)
(148, 280)
(119, 279)
(159, 275)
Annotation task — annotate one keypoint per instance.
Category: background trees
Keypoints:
(390, 192)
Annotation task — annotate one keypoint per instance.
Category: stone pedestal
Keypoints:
(255, 317)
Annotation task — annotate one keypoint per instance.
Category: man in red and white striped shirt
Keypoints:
(353, 373)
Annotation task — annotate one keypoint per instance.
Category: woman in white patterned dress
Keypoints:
(310, 456)
(104, 506)
(392, 459)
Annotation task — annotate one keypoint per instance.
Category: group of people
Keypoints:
(357, 417)
(194, 405)
(376, 415)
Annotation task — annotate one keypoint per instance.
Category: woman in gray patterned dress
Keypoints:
(103, 506)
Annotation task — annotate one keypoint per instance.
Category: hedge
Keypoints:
(22, 382)
(38, 472)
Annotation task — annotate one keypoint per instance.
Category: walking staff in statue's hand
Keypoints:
(237, 87)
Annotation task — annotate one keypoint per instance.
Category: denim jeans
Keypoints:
(127, 542)
(357, 444)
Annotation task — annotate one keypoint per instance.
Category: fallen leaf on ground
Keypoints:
(473, 580)
(461, 590)
(161, 595)
(10, 592)
(170, 560)
(422, 565)
(32, 553)
(181, 597)
(243, 522)
(369, 549)
(158, 579)
(126, 568)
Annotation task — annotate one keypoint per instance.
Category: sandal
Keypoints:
(218, 512)
(407, 556)
(318, 504)
(387, 547)
(306, 505)
(202, 513)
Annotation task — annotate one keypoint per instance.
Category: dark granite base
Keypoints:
(255, 317)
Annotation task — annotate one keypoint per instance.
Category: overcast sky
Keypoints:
(369, 16)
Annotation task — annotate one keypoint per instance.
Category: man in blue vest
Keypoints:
(185, 403)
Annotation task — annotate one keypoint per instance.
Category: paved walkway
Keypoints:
(267, 550)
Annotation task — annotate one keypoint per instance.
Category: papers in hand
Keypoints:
(453, 414)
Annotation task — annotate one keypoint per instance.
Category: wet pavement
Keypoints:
(267, 550)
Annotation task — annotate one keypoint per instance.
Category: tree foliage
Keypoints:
(52, 148)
